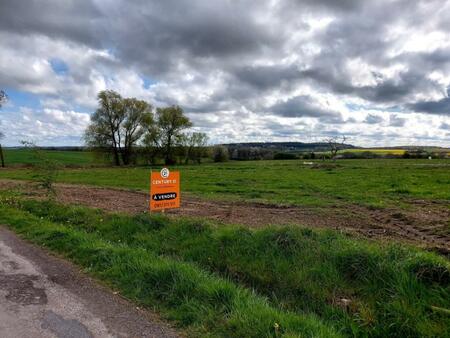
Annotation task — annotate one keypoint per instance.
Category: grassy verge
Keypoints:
(356, 288)
(204, 304)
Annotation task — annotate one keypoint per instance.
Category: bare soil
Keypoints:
(425, 223)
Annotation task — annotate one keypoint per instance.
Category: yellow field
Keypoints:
(378, 151)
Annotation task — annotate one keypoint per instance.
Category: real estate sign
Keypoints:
(164, 190)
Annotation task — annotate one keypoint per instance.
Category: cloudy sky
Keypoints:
(243, 70)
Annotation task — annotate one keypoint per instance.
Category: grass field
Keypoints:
(230, 281)
(396, 151)
(68, 158)
(377, 182)
(380, 151)
(214, 281)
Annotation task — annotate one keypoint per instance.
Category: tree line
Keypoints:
(127, 127)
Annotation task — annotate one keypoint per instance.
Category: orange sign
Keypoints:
(164, 190)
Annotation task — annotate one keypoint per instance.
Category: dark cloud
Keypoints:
(333, 4)
(440, 107)
(386, 90)
(301, 106)
(395, 121)
(194, 32)
(160, 38)
(69, 20)
(373, 119)
(232, 57)
(266, 77)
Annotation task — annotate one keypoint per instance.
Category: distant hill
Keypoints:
(428, 148)
(56, 148)
(287, 146)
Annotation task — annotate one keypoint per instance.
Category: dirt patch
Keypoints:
(425, 224)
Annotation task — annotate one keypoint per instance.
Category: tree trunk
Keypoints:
(116, 156)
(1, 156)
(126, 155)
(168, 159)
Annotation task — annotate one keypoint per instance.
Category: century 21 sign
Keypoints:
(164, 190)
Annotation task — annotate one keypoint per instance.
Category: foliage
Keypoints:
(360, 154)
(138, 119)
(357, 287)
(201, 302)
(166, 133)
(249, 153)
(118, 124)
(220, 154)
(104, 130)
(285, 156)
(45, 169)
(195, 145)
(309, 156)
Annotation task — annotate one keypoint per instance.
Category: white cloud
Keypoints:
(350, 67)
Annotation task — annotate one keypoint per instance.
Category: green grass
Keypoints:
(69, 158)
(377, 182)
(201, 275)
(203, 304)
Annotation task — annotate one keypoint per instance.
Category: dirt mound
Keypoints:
(427, 224)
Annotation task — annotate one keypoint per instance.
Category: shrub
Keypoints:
(220, 154)
(285, 156)
(45, 170)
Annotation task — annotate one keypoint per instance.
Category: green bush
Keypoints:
(285, 156)
(220, 154)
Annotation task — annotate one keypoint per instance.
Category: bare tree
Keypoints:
(3, 98)
(45, 169)
(336, 143)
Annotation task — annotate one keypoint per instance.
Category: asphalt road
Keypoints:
(45, 296)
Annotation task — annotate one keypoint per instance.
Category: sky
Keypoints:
(377, 71)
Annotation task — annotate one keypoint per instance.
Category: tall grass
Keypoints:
(357, 287)
(202, 303)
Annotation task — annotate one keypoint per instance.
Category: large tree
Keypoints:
(167, 131)
(118, 124)
(138, 119)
